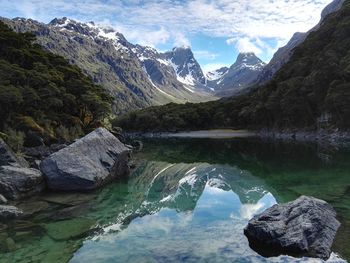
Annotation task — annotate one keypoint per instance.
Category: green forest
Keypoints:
(42, 93)
(313, 84)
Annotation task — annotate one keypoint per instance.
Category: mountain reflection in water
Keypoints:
(189, 213)
(187, 201)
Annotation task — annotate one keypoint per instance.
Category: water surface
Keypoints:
(187, 201)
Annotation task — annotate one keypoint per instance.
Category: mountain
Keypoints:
(135, 76)
(42, 94)
(310, 91)
(283, 54)
(173, 68)
(187, 69)
(239, 76)
(216, 74)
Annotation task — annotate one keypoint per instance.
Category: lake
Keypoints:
(187, 200)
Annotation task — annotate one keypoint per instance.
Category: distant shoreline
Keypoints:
(307, 136)
(211, 134)
(204, 134)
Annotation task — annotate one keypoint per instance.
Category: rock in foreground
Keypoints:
(16, 179)
(304, 227)
(9, 212)
(91, 161)
(20, 182)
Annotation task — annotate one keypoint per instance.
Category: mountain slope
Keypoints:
(283, 54)
(111, 61)
(239, 76)
(310, 91)
(42, 93)
(176, 70)
(187, 69)
(216, 74)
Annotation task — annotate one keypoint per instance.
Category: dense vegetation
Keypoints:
(313, 86)
(43, 94)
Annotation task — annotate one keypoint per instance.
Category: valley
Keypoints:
(174, 131)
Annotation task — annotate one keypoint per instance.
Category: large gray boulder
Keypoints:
(9, 212)
(20, 182)
(90, 162)
(304, 227)
(16, 179)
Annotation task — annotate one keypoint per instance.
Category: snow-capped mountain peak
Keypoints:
(245, 70)
(93, 31)
(248, 60)
(216, 74)
(187, 69)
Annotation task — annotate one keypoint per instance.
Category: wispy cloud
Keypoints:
(243, 22)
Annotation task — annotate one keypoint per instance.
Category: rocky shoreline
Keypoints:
(100, 157)
(88, 163)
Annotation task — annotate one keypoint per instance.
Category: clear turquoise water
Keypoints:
(187, 201)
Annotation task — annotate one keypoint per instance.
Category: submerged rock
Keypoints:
(32, 207)
(19, 182)
(304, 227)
(137, 144)
(10, 245)
(68, 199)
(9, 212)
(69, 229)
(91, 161)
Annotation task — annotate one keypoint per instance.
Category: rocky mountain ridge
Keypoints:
(309, 93)
(244, 72)
(138, 76)
(284, 53)
(134, 75)
(216, 74)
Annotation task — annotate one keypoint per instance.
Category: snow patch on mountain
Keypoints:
(163, 61)
(216, 74)
(240, 75)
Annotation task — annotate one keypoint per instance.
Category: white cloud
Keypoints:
(157, 21)
(246, 45)
(145, 37)
(181, 40)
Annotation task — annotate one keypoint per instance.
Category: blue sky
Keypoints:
(216, 30)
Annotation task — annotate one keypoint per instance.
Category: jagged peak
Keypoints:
(61, 21)
(89, 29)
(182, 51)
(25, 20)
(148, 49)
(19, 19)
(248, 58)
(246, 55)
